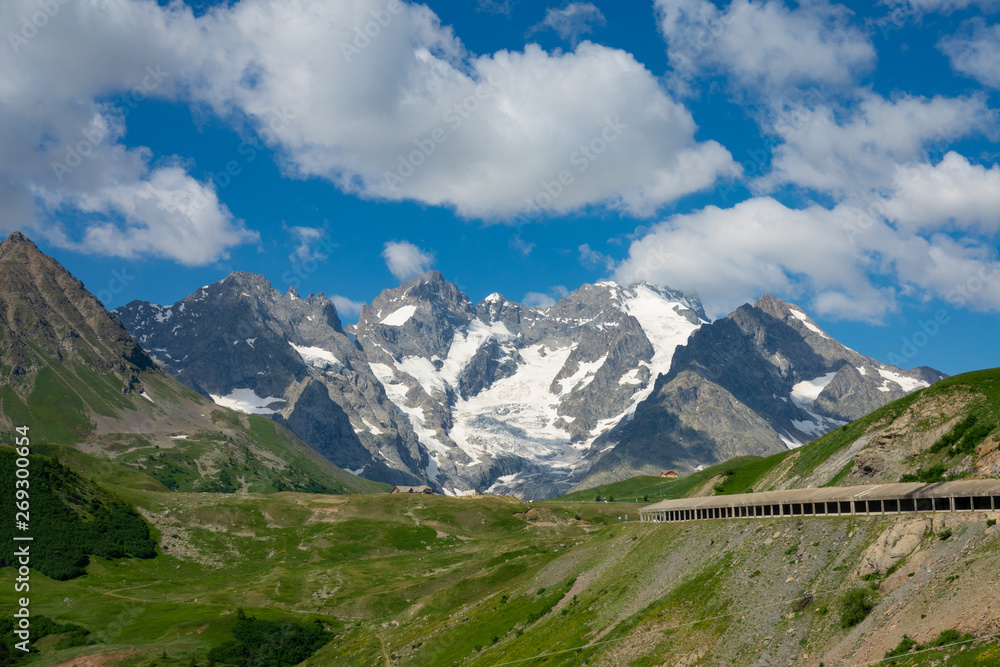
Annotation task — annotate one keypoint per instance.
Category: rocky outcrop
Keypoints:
(760, 380)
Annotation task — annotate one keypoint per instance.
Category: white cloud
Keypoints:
(347, 307)
(405, 260)
(838, 260)
(954, 193)
(167, 214)
(411, 115)
(68, 79)
(765, 47)
(307, 239)
(942, 6)
(520, 245)
(976, 52)
(574, 20)
(538, 300)
(850, 153)
(732, 256)
(593, 259)
(545, 299)
(482, 134)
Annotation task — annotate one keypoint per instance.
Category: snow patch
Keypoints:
(805, 320)
(632, 377)
(805, 393)
(861, 370)
(147, 396)
(399, 317)
(317, 357)
(247, 400)
(908, 384)
(583, 376)
(422, 370)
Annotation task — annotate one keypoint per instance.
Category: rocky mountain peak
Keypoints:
(45, 311)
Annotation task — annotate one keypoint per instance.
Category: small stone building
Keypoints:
(413, 489)
(670, 474)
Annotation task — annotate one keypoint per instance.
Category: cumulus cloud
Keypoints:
(976, 51)
(405, 260)
(855, 152)
(347, 307)
(951, 194)
(732, 256)
(408, 114)
(838, 260)
(381, 100)
(765, 47)
(67, 84)
(572, 21)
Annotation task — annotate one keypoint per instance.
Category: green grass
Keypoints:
(659, 488)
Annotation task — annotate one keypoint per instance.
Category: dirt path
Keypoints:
(385, 654)
(99, 659)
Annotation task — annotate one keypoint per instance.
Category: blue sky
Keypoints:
(841, 156)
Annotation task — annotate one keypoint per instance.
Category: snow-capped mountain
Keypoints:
(431, 387)
(762, 379)
(248, 347)
(508, 397)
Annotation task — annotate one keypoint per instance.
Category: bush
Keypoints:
(944, 534)
(855, 605)
(905, 646)
(270, 643)
(991, 522)
(954, 435)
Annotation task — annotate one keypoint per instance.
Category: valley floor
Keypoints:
(494, 581)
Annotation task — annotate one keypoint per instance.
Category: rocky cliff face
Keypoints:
(73, 375)
(248, 347)
(497, 396)
(762, 379)
(48, 317)
(508, 397)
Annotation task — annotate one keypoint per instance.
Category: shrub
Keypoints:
(944, 534)
(855, 605)
(905, 646)
(991, 522)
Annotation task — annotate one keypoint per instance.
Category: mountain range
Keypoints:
(429, 387)
(71, 373)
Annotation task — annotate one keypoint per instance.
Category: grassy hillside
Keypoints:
(946, 431)
(431, 580)
(74, 376)
(176, 437)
